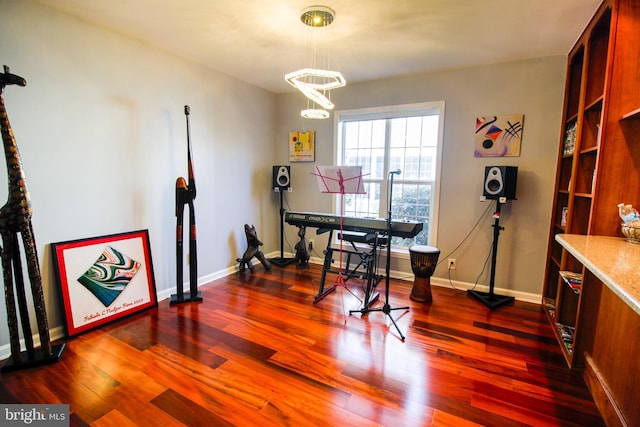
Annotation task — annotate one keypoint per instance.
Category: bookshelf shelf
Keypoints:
(631, 115)
(590, 150)
(596, 104)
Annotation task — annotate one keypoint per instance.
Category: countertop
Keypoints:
(613, 260)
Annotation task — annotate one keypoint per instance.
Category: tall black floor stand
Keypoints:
(386, 308)
(281, 261)
(490, 299)
(185, 195)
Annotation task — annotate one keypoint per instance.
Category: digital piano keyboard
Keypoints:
(405, 229)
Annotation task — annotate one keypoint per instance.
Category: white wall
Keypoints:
(101, 131)
(533, 88)
(102, 135)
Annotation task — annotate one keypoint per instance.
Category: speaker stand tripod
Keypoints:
(386, 308)
(281, 261)
(490, 299)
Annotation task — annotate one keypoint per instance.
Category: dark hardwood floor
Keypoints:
(257, 351)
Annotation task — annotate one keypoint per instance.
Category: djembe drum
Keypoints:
(423, 264)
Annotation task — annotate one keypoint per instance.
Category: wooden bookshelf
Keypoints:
(600, 169)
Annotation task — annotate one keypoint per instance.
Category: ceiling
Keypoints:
(259, 41)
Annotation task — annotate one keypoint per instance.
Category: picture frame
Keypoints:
(498, 136)
(302, 146)
(103, 279)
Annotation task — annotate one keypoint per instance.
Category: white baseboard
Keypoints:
(454, 284)
(464, 286)
(165, 294)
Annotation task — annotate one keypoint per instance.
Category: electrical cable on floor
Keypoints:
(484, 267)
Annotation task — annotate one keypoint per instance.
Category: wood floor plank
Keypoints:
(259, 351)
(137, 409)
(444, 419)
(121, 362)
(186, 411)
(113, 418)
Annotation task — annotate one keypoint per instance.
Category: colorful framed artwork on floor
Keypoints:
(103, 279)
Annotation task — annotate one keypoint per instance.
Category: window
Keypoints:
(404, 137)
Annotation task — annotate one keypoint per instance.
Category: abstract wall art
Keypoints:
(498, 136)
(102, 279)
(302, 146)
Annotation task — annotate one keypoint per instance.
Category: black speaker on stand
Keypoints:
(281, 182)
(500, 181)
(499, 184)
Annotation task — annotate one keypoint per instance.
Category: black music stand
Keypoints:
(281, 261)
(340, 180)
(386, 308)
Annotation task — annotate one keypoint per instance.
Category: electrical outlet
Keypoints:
(452, 263)
(311, 244)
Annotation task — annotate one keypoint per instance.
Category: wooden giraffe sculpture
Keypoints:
(185, 195)
(15, 217)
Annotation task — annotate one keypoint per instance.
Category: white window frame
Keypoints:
(389, 112)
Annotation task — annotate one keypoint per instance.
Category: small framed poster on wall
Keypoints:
(302, 146)
(103, 279)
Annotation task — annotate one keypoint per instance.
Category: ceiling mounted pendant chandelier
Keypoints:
(314, 82)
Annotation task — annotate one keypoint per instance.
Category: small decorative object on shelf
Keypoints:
(628, 213)
(631, 222)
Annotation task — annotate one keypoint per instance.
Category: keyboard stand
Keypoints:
(368, 262)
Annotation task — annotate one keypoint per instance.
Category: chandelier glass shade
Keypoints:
(314, 113)
(316, 83)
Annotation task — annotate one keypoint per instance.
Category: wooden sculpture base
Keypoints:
(39, 359)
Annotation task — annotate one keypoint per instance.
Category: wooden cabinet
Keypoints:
(599, 156)
(609, 329)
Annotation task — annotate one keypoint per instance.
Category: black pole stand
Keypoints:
(386, 308)
(490, 299)
(281, 261)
